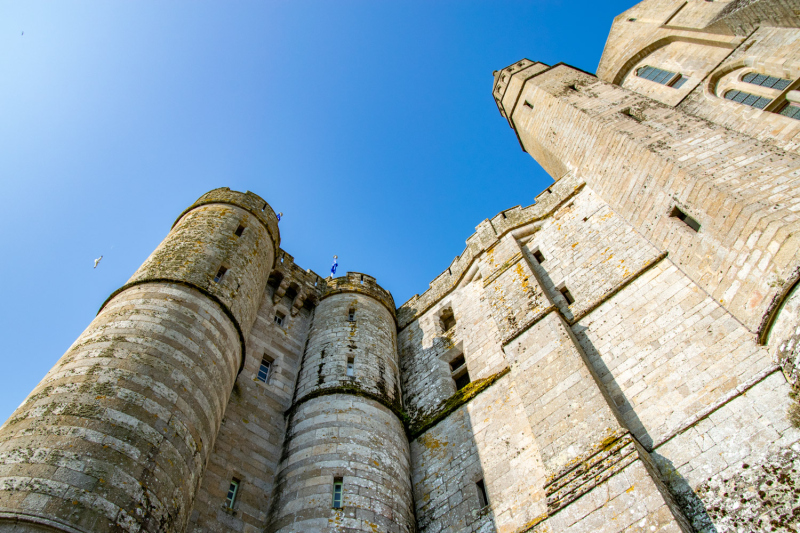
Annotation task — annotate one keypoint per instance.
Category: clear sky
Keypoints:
(369, 123)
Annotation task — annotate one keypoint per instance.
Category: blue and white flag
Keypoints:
(279, 216)
(335, 264)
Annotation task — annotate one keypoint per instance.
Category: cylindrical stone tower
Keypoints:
(117, 434)
(346, 464)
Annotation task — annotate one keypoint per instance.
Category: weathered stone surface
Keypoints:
(620, 356)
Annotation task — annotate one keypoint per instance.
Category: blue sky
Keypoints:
(370, 124)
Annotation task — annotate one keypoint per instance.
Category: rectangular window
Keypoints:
(338, 489)
(752, 100)
(233, 490)
(351, 366)
(664, 77)
(447, 319)
(457, 363)
(538, 256)
(483, 500)
(265, 370)
(351, 315)
(791, 111)
(567, 295)
(766, 81)
(279, 318)
(239, 231)
(220, 273)
(462, 380)
(686, 219)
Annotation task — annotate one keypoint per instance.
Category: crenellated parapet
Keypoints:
(356, 282)
(487, 234)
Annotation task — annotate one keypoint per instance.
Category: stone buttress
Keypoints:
(118, 433)
(345, 424)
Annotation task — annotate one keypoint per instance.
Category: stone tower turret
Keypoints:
(346, 458)
(117, 434)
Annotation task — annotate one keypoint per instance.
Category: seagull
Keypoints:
(96, 261)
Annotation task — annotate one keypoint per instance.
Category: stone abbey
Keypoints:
(620, 356)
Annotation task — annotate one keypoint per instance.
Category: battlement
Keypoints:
(362, 284)
(249, 201)
(487, 234)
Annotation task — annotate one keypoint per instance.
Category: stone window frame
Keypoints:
(272, 367)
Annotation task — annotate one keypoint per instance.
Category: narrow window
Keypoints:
(567, 295)
(538, 256)
(263, 207)
(483, 500)
(220, 273)
(457, 363)
(447, 319)
(351, 366)
(462, 380)
(766, 81)
(239, 231)
(664, 77)
(528, 104)
(686, 219)
(459, 372)
(351, 315)
(338, 489)
(741, 97)
(279, 318)
(791, 111)
(265, 371)
(233, 490)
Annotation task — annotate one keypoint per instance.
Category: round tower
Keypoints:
(346, 461)
(117, 434)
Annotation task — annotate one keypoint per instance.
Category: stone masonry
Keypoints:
(621, 356)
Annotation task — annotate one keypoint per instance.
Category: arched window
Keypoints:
(766, 81)
(664, 77)
(752, 100)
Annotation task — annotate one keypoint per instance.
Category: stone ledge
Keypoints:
(561, 192)
(421, 425)
(352, 390)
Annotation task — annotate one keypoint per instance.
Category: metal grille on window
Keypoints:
(766, 81)
(791, 111)
(747, 99)
(664, 77)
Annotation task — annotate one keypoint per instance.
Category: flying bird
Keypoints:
(96, 261)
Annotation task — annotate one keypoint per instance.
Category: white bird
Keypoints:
(96, 261)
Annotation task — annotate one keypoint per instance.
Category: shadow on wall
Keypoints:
(685, 497)
(446, 468)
